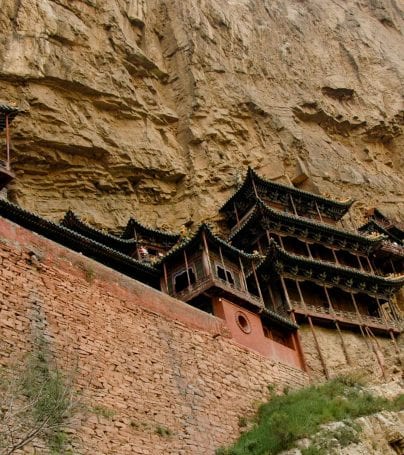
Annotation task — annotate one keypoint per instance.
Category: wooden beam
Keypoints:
(8, 164)
(318, 211)
(320, 354)
(186, 268)
(293, 204)
(379, 361)
(165, 277)
(206, 251)
(285, 290)
(243, 274)
(223, 264)
(344, 348)
(236, 212)
(257, 282)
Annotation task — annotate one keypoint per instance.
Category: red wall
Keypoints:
(255, 338)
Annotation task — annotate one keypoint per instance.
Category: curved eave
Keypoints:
(239, 191)
(272, 316)
(345, 205)
(73, 222)
(375, 226)
(12, 112)
(252, 176)
(133, 224)
(77, 242)
(228, 250)
(331, 270)
(288, 218)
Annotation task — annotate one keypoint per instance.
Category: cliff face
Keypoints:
(155, 108)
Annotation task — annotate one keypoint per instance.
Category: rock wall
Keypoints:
(164, 376)
(374, 356)
(156, 108)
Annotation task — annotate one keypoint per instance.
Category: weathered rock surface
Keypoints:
(155, 108)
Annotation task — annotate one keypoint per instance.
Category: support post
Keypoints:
(236, 212)
(7, 143)
(165, 277)
(206, 250)
(186, 268)
(301, 296)
(376, 351)
(308, 249)
(293, 205)
(285, 290)
(320, 354)
(243, 274)
(335, 256)
(370, 265)
(344, 348)
(223, 265)
(318, 211)
(257, 282)
(360, 262)
(359, 317)
(268, 237)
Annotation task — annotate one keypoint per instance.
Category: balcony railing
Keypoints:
(347, 316)
(209, 281)
(392, 248)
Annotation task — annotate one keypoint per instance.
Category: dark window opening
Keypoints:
(181, 280)
(224, 275)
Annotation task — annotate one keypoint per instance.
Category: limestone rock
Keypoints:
(155, 109)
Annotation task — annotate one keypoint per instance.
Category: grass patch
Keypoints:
(299, 414)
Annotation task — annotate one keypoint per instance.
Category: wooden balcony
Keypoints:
(346, 318)
(213, 285)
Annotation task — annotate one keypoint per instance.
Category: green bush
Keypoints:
(299, 414)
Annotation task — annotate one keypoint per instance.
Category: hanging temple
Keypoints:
(283, 260)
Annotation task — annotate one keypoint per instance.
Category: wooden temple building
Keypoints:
(7, 115)
(284, 260)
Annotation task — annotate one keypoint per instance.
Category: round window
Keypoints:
(243, 322)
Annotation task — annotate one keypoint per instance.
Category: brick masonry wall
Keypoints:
(146, 360)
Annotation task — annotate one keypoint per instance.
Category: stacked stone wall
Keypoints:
(157, 376)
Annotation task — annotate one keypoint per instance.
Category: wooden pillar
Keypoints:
(293, 205)
(359, 261)
(318, 211)
(137, 245)
(308, 249)
(257, 282)
(206, 251)
(243, 274)
(268, 237)
(376, 351)
(299, 289)
(165, 277)
(223, 264)
(259, 246)
(271, 294)
(387, 324)
(320, 354)
(392, 266)
(344, 348)
(281, 241)
(186, 268)
(255, 188)
(335, 256)
(285, 290)
(297, 345)
(359, 317)
(370, 264)
(7, 143)
(236, 212)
